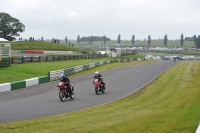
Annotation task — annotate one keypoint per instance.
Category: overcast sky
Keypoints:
(60, 18)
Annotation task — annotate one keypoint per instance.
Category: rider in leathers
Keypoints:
(99, 77)
(66, 82)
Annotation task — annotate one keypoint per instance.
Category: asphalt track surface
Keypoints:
(42, 100)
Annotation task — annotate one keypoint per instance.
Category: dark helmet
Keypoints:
(62, 76)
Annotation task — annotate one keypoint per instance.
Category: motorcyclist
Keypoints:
(99, 77)
(174, 59)
(66, 82)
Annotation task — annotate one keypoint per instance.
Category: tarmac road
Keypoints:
(42, 100)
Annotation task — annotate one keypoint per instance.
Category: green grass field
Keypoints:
(169, 104)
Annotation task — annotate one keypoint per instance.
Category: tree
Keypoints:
(133, 39)
(149, 40)
(182, 40)
(197, 42)
(118, 39)
(10, 26)
(165, 40)
(66, 40)
(52, 40)
(91, 39)
(78, 39)
(104, 39)
(42, 38)
(194, 37)
(94, 38)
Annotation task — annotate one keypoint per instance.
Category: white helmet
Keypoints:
(96, 73)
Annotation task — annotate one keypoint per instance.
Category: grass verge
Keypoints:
(169, 104)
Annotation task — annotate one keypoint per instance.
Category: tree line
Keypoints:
(94, 38)
(11, 27)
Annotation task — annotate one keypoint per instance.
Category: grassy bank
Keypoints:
(39, 45)
(169, 104)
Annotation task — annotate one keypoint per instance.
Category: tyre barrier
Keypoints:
(54, 75)
(91, 65)
(4, 62)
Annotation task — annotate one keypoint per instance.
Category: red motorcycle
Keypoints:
(64, 92)
(99, 87)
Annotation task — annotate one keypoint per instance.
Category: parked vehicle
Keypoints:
(192, 57)
(166, 58)
(178, 58)
(98, 86)
(64, 92)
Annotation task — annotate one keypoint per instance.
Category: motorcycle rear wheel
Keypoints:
(62, 96)
(97, 90)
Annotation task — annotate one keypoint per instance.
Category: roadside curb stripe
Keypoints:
(5, 87)
(198, 129)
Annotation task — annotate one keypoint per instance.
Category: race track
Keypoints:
(42, 100)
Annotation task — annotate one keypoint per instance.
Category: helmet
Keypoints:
(62, 76)
(96, 73)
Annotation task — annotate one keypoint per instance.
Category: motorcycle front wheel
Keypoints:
(62, 96)
(72, 95)
(97, 90)
(103, 90)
